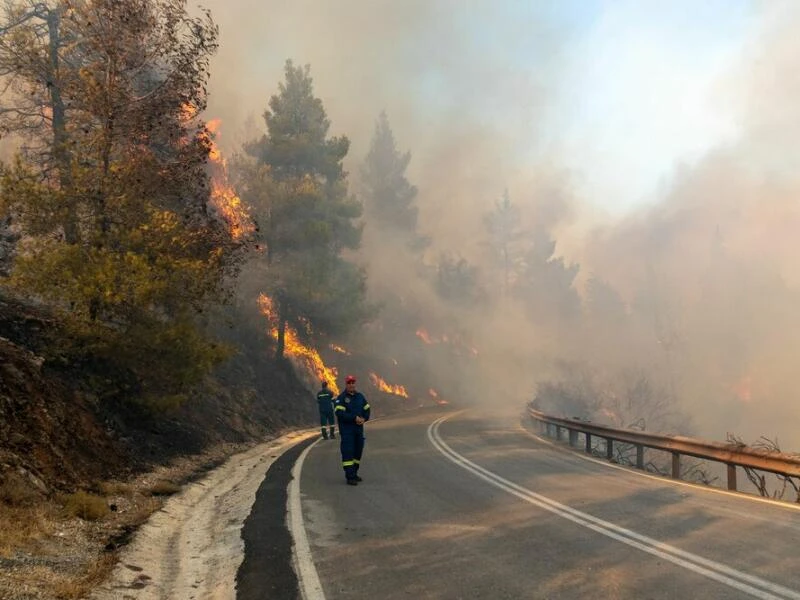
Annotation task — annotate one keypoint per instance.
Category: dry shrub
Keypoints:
(15, 491)
(20, 527)
(115, 488)
(144, 509)
(88, 507)
(79, 587)
(164, 487)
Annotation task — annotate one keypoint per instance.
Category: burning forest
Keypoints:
(589, 209)
(468, 227)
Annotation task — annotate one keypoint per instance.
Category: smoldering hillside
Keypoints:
(688, 305)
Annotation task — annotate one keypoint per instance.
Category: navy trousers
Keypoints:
(352, 446)
(325, 417)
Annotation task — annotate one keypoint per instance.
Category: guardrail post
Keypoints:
(732, 477)
(676, 465)
(733, 457)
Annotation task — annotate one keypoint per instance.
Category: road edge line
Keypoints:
(307, 576)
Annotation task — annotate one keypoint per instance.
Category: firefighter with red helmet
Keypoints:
(352, 411)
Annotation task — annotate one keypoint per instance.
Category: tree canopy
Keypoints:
(298, 188)
(111, 193)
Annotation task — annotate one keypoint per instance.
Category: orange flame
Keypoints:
(435, 396)
(223, 195)
(610, 415)
(397, 390)
(458, 344)
(425, 336)
(307, 358)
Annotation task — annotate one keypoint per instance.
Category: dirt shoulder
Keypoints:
(187, 544)
(192, 547)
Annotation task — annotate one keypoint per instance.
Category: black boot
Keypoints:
(332, 433)
(324, 433)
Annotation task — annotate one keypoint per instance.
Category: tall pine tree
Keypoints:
(298, 188)
(389, 195)
(502, 225)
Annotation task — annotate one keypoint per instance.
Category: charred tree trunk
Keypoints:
(282, 313)
(279, 349)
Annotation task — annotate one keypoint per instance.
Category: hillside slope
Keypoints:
(65, 452)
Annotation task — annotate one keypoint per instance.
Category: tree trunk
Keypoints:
(61, 153)
(505, 269)
(281, 339)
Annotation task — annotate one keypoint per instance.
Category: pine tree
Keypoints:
(502, 225)
(307, 218)
(546, 282)
(389, 197)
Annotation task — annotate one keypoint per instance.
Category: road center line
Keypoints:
(749, 584)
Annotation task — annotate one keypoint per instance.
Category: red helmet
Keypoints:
(350, 379)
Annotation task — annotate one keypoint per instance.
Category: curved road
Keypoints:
(471, 505)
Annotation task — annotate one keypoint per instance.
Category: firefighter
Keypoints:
(352, 411)
(325, 403)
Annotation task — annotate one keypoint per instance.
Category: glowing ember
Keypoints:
(457, 342)
(425, 337)
(339, 349)
(434, 394)
(610, 415)
(744, 389)
(307, 358)
(397, 390)
(223, 195)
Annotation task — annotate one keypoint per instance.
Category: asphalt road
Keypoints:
(471, 505)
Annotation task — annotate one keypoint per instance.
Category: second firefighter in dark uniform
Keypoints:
(352, 411)
(325, 403)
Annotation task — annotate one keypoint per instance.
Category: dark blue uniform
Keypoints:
(325, 402)
(348, 406)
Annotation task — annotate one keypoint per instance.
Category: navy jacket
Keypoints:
(325, 400)
(349, 406)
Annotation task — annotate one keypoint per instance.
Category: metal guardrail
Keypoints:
(733, 456)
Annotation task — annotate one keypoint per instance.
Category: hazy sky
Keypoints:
(645, 87)
(616, 91)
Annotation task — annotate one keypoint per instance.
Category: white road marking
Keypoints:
(749, 584)
(310, 585)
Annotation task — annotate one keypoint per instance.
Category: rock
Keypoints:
(33, 480)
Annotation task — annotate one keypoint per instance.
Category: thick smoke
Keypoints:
(705, 275)
(715, 257)
(470, 118)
